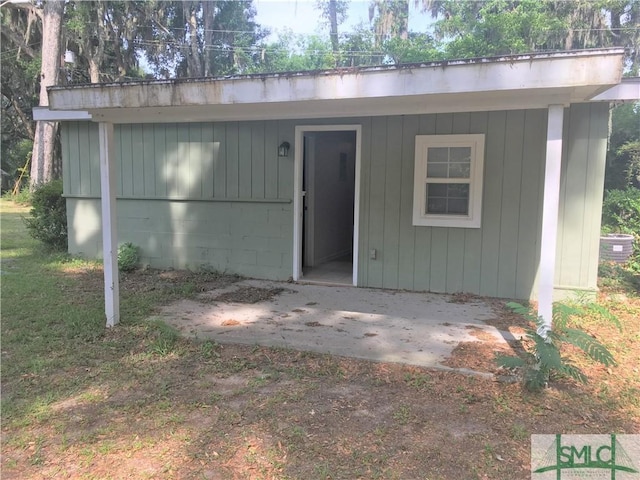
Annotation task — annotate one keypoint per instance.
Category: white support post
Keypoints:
(550, 206)
(109, 231)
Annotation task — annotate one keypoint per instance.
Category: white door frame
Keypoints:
(308, 203)
(297, 193)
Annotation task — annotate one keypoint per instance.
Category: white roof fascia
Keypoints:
(44, 114)
(536, 80)
(628, 90)
(350, 108)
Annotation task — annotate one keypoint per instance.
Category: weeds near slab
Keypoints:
(544, 357)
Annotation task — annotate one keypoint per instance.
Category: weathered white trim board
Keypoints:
(550, 207)
(44, 114)
(109, 229)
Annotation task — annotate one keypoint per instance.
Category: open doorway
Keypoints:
(327, 165)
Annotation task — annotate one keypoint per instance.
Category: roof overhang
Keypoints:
(44, 114)
(510, 82)
(628, 90)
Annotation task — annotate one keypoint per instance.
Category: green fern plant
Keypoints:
(544, 357)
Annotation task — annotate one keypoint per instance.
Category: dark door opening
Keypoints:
(328, 183)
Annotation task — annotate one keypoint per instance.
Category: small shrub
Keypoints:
(48, 221)
(618, 276)
(23, 197)
(128, 257)
(621, 211)
(621, 214)
(630, 153)
(545, 356)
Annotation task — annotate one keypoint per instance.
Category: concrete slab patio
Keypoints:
(382, 325)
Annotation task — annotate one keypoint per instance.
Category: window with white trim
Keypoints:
(447, 189)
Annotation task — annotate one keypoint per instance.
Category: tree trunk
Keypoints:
(333, 21)
(25, 121)
(94, 69)
(42, 161)
(403, 20)
(42, 158)
(194, 61)
(208, 15)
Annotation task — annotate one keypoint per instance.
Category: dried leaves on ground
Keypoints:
(138, 402)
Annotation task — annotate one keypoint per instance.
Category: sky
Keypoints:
(302, 17)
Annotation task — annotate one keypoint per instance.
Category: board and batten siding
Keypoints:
(217, 194)
(582, 187)
(195, 195)
(499, 259)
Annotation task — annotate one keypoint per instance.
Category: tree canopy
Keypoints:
(123, 40)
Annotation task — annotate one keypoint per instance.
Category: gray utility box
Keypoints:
(616, 247)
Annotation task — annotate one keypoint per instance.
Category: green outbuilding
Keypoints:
(482, 176)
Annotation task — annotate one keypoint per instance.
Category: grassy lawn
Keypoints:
(137, 401)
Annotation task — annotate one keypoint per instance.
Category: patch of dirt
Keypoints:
(151, 280)
(249, 295)
(464, 298)
(259, 413)
(504, 318)
(479, 355)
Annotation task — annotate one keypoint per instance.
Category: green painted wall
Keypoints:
(224, 161)
(239, 216)
(190, 195)
(247, 238)
(586, 128)
(500, 259)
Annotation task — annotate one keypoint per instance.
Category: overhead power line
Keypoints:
(203, 30)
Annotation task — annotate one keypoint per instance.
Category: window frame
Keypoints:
(475, 181)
